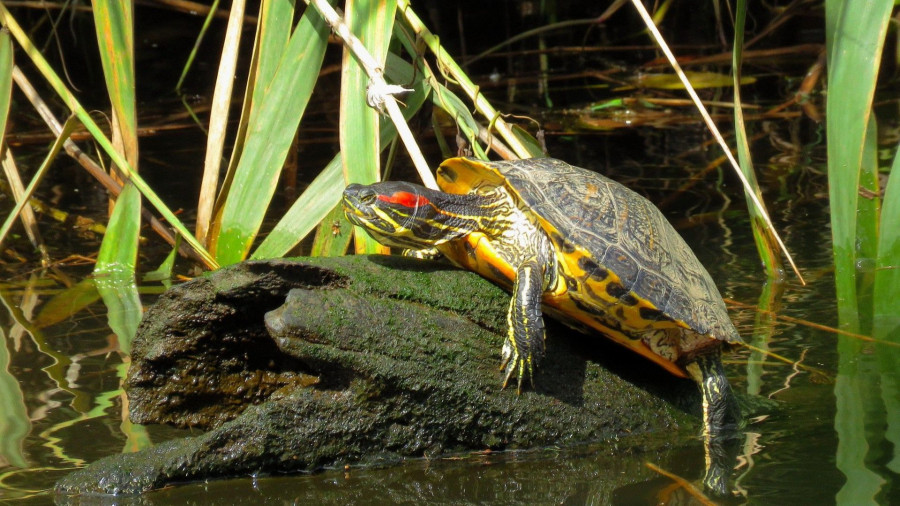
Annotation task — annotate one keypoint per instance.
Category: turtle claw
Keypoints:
(515, 365)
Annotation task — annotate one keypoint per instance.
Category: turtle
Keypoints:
(571, 243)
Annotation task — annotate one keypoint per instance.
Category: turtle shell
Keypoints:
(625, 266)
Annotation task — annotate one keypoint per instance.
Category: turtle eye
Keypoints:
(368, 196)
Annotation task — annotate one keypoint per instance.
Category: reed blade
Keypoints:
(269, 139)
(314, 204)
(218, 119)
(371, 21)
(273, 34)
(6, 67)
(855, 38)
(72, 103)
(766, 245)
(114, 24)
(887, 264)
(658, 38)
(22, 203)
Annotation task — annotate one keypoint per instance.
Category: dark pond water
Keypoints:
(831, 437)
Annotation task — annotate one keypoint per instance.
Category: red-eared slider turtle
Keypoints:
(595, 253)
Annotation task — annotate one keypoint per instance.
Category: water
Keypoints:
(832, 437)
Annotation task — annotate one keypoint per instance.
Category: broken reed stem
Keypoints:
(715, 131)
(376, 77)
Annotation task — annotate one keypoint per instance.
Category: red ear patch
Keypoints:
(405, 199)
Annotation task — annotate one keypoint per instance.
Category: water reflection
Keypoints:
(867, 421)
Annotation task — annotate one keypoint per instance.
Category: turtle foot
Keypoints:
(516, 365)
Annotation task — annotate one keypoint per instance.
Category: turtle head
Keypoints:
(404, 215)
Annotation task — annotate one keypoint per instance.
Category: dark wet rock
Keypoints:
(299, 365)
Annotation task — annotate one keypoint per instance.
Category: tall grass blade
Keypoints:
(29, 220)
(372, 22)
(164, 272)
(59, 87)
(272, 36)
(887, 263)
(449, 102)
(114, 24)
(307, 211)
(380, 93)
(456, 108)
(113, 21)
(6, 67)
(658, 38)
(456, 72)
(213, 9)
(855, 52)
(868, 203)
(9, 166)
(218, 119)
(269, 138)
(115, 268)
(324, 193)
(275, 19)
(766, 245)
(21, 204)
(118, 254)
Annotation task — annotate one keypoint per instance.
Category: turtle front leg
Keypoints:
(524, 344)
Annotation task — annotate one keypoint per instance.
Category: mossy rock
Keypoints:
(295, 365)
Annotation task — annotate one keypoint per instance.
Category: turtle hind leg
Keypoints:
(524, 344)
(721, 413)
(721, 421)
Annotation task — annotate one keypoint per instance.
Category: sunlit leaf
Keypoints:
(372, 22)
(6, 66)
(269, 139)
(766, 245)
(99, 136)
(887, 265)
(325, 191)
(118, 253)
(855, 39)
